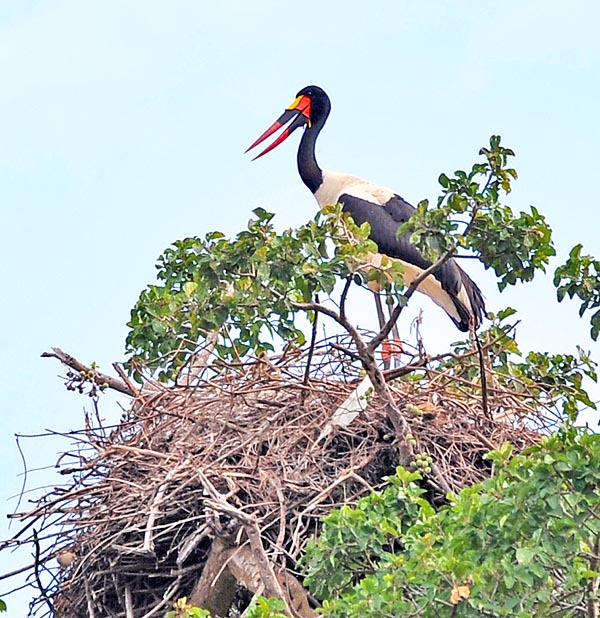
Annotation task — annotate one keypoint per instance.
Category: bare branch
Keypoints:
(344, 295)
(148, 546)
(311, 349)
(73, 363)
(218, 503)
(366, 356)
(36, 570)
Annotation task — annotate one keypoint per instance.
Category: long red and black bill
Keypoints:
(299, 115)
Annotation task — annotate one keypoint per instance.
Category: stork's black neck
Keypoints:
(309, 169)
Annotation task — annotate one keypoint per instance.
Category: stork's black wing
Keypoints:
(385, 220)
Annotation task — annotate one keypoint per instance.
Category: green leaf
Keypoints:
(524, 555)
(189, 287)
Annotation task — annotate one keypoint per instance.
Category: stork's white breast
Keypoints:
(335, 184)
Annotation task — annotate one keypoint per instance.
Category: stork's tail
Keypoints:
(469, 304)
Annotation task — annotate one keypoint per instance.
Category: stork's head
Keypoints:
(310, 108)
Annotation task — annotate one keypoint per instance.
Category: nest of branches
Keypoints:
(211, 489)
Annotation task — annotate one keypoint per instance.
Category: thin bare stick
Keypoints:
(73, 363)
(37, 564)
(89, 600)
(24, 484)
(344, 295)
(128, 603)
(482, 372)
(17, 571)
(169, 594)
(198, 361)
(311, 349)
(117, 367)
(148, 546)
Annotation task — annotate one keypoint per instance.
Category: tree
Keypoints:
(264, 293)
(404, 557)
(251, 292)
(523, 543)
(253, 288)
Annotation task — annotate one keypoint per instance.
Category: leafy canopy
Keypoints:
(580, 276)
(248, 288)
(523, 543)
(245, 288)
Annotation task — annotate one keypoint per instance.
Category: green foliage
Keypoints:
(558, 375)
(267, 608)
(184, 610)
(2, 606)
(514, 246)
(354, 539)
(245, 288)
(524, 543)
(580, 276)
(549, 381)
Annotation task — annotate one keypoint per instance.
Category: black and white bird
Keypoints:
(385, 211)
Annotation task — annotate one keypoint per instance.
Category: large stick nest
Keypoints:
(135, 523)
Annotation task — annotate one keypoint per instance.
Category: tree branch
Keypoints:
(37, 563)
(367, 357)
(218, 503)
(311, 349)
(73, 363)
(349, 280)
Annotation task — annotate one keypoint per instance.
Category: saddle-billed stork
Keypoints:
(385, 211)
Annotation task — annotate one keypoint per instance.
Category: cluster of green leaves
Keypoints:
(247, 288)
(514, 246)
(244, 288)
(524, 543)
(267, 608)
(260, 608)
(183, 609)
(580, 277)
(550, 381)
(559, 376)
(353, 540)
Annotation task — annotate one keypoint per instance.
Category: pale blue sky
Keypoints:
(123, 126)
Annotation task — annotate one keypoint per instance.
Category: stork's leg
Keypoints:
(385, 357)
(390, 348)
(395, 342)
